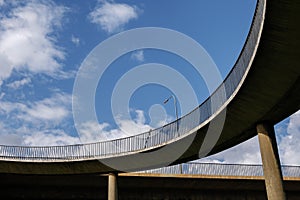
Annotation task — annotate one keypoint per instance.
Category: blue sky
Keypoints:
(43, 44)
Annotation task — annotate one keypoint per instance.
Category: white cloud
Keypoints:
(30, 136)
(11, 138)
(2, 2)
(27, 41)
(20, 83)
(2, 94)
(112, 17)
(54, 137)
(288, 140)
(289, 143)
(53, 109)
(6, 108)
(42, 122)
(59, 75)
(5, 66)
(75, 40)
(93, 131)
(138, 56)
(244, 153)
(47, 112)
(89, 132)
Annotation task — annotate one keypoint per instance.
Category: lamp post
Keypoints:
(175, 107)
(176, 112)
(175, 104)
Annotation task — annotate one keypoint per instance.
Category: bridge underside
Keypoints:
(271, 89)
(132, 186)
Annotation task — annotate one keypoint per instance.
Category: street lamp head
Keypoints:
(166, 100)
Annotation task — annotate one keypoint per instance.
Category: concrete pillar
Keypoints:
(112, 187)
(271, 162)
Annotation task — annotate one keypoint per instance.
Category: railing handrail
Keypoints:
(221, 169)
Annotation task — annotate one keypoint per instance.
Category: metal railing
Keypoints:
(218, 169)
(156, 137)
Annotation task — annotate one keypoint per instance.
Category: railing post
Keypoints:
(271, 162)
(112, 186)
(181, 168)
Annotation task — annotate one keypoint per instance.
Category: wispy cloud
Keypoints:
(244, 153)
(289, 143)
(2, 2)
(75, 40)
(2, 94)
(94, 131)
(19, 83)
(27, 41)
(26, 119)
(53, 109)
(138, 56)
(42, 123)
(49, 137)
(112, 17)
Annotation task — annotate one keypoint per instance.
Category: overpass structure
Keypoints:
(196, 181)
(262, 89)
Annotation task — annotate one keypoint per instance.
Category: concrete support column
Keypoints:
(271, 162)
(112, 187)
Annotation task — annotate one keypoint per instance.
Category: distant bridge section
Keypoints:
(196, 183)
(220, 169)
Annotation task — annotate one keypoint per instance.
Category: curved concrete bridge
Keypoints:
(263, 87)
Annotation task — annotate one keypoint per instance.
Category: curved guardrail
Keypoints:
(158, 136)
(220, 169)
